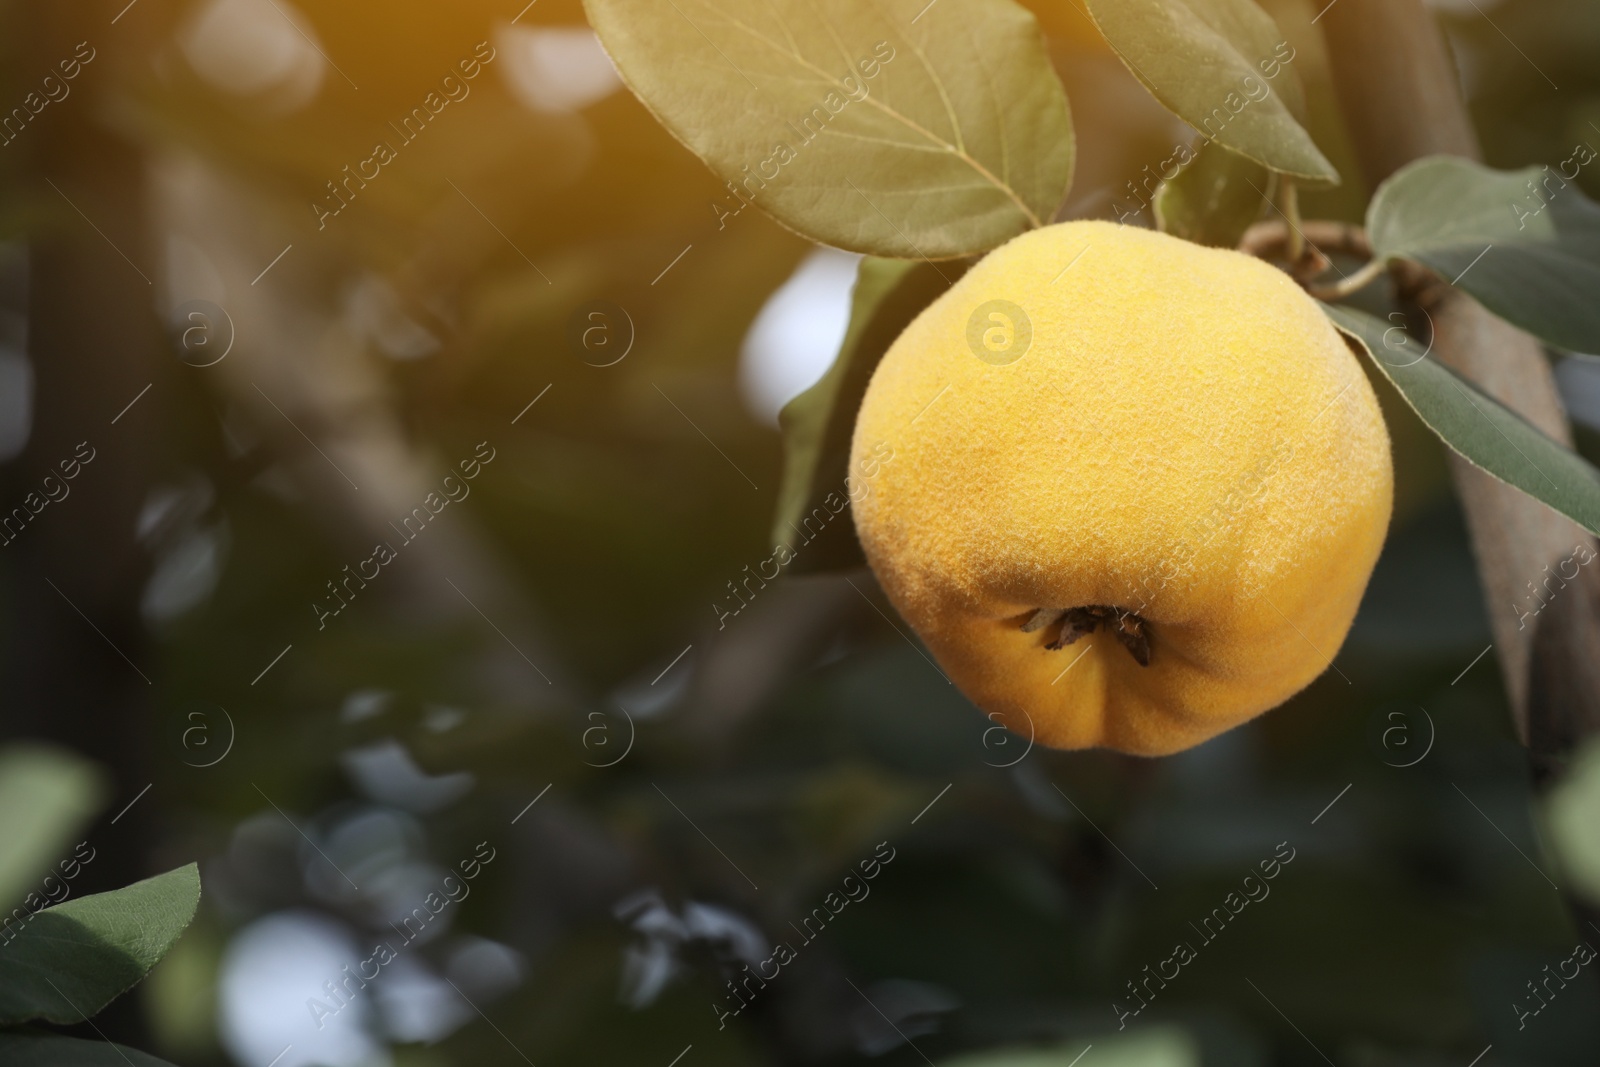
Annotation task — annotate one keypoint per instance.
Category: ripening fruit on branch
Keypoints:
(1139, 486)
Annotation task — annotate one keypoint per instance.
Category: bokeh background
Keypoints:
(540, 286)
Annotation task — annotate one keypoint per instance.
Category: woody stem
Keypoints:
(1267, 239)
(1342, 288)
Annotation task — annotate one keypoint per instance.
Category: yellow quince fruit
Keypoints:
(1135, 491)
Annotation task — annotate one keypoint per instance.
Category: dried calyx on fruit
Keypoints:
(1073, 623)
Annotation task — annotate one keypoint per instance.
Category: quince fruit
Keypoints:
(1136, 491)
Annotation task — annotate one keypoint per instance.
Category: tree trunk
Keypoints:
(79, 670)
(1398, 88)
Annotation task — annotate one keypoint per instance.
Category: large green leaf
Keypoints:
(896, 128)
(1480, 428)
(48, 1050)
(1213, 199)
(1525, 243)
(46, 796)
(1224, 68)
(818, 423)
(71, 960)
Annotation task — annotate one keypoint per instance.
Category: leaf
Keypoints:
(1160, 1045)
(817, 424)
(1530, 254)
(1480, 428)
(1223, 67)
(1571, 813)
(46, 796)
(893, 128)
(71, 960)
(48, 1050)
(1213, 199)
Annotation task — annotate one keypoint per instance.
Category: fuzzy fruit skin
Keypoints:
(1187, 437)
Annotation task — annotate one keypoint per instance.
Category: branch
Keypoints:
(1269, 239)
(1398, 90)
(1303, 250)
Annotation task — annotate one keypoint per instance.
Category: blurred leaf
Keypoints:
(842, 812)
(917, 136)
(47, 1050)
(1213, 200)
(71, 960)
(46, 796)
(1480, 428)
(1215, 63)
(1572, 812)
(1528, 250)
(1155, 1046)
(178, 995)
(817, 424)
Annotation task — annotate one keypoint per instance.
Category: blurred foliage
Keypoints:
(50, 795)
(819, 423)
(1214, 199)
(767, 760)
(1571, 813)
(64, 960)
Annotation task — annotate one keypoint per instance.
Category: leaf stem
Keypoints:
(1291, 212)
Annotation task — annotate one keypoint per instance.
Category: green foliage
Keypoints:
(1525, 243)
(46, 796)
(817, 424)
(1224, 68)
(1152, 1046)
(41, 1050)
(71, 960)
(1572, 813)
(64, 964)
(1481, 429)
(1214, 199)
(914, 136)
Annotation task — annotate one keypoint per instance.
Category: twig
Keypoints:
(1269, 239)
(1369, 273)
